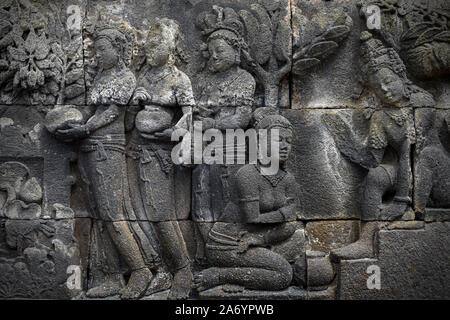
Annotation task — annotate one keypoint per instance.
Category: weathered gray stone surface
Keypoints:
(328, 235)
(96, 204)
(413, 265)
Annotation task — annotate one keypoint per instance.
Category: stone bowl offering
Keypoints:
(61, 117)
(153, 119)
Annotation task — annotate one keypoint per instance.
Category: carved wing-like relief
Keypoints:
(347, 142)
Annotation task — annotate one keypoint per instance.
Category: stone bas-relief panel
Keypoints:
(325, 73)
(96, 202)
(41, 50)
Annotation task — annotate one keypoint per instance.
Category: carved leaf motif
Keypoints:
(416, 30)
(18, 54)
(262, 15)
(323, 45)
(56, 48)
(44, 64)
(42, 49)
(264, 36)
(73, 91)
(252, 29)
(72, 48)
(282, 40)
(30, 42)
(73, 75)
(337, 33)
(443, 36)
(322, 49)
(428, 36)
(205, 21)
(304, 64)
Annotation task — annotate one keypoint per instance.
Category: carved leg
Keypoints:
(105, 279)
(201, 231)
(173, 245)
(160, 282)
(377, 183)
(141, 276)
(424, 180)
(257, 269)
(108, 193)
(280, 233)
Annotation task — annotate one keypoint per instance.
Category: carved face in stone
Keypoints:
(222, 55)
(157, 52)
(106, 54)
(388, 86)
(284, 143)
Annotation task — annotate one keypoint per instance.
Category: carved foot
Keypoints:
(160, 282)
(393, 211)
(358, 250)
(181, 285)
(206, 279)
(137, 285)
(106, 289)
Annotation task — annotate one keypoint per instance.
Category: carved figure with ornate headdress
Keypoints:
(386, 157)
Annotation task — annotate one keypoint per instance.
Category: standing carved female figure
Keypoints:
(102, 152)
(166, 94)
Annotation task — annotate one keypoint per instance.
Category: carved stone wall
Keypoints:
(94, 205)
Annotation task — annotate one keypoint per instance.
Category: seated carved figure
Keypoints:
(224, 98)
(391, 134)
(237, 248)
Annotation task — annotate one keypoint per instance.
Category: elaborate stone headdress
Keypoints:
(374, 56)
(121, 36)
(222, 23)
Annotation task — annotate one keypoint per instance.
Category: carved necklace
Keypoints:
(153, 79)
(275, 179)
